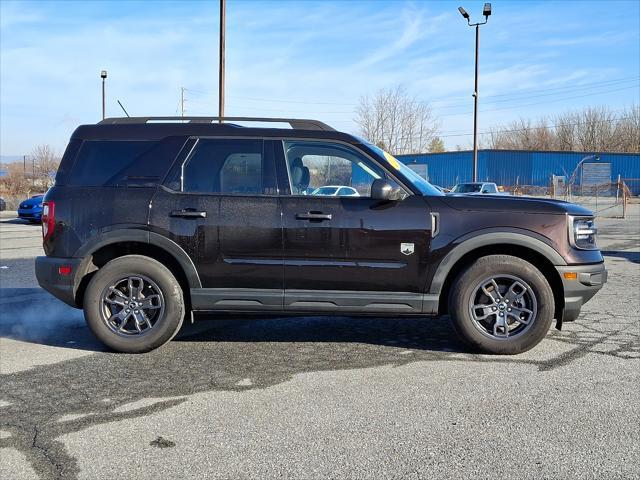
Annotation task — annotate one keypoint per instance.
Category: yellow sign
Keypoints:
(393, 161)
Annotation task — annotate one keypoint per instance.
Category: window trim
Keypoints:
(349, 146)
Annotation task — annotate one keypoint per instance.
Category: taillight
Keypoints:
(48, 219)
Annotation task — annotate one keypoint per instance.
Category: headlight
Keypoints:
(582, 232)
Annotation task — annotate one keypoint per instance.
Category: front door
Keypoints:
(220, 205)
(342, 249)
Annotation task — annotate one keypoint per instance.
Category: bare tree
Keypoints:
(594, 129)
(395, 121)
(45, 161)
(35, 174)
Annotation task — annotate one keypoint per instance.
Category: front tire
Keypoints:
(502, 305)
(134, 304)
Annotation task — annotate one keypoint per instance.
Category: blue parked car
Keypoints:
(31, 209)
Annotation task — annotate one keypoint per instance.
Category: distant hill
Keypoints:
(10, 158)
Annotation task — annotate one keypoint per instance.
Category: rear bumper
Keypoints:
(49, 277)
(577, 292)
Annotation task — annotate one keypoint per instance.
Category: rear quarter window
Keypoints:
(123, 163)
(105, 162)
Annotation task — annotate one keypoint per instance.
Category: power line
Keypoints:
(542, 127)
(540, 103)
(594, 85)
(287, 111)
(445, 99)
(605, 87)
(618, 110)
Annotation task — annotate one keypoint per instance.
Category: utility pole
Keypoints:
(221, 65)
(103, 75)
(182, 101)
(486, 11)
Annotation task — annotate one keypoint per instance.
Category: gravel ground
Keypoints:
(318, 397)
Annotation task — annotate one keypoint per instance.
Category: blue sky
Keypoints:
(308, 59)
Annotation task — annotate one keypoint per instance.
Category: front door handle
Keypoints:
(313, 216)
(188, 213)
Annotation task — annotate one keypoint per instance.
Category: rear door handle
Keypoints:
(311, 216)
(188, 213)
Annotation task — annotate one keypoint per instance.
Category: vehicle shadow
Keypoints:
(628, 255)
(32, 315)
(19, 221)
(422, 333)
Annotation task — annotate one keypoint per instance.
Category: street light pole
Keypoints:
(103, 75)
(475, 111)
(221, 60)
(486, 11)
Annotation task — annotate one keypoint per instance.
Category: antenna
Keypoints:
(123, 109)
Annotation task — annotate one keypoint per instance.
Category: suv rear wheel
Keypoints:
(501, 304)
(134, 304)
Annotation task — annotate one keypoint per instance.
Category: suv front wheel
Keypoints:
(501, 304)
(134, 304)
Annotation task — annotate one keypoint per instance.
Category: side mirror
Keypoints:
(383, 189)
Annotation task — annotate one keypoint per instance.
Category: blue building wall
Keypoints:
(508, 167)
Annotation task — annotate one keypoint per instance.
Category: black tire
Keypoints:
(168, 320)
(504, 268)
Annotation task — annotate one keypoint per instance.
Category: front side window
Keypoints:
(232, 167)
(329, 169)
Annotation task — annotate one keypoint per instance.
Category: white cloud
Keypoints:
(332, 52)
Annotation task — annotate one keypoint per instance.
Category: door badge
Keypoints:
(407, 248)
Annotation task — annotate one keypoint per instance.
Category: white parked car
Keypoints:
(336, 191)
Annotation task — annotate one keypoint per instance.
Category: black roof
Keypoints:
(155, 128)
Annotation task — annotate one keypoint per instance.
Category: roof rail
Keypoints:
(297, 123)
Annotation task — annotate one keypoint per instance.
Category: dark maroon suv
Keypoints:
(152, 219)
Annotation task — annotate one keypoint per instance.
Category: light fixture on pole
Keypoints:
(103, 76)
(486, 11)
(221, 61)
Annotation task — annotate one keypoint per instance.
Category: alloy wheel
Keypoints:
(132, 305)
(503, 307)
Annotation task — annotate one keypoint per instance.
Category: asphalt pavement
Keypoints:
(318, 397)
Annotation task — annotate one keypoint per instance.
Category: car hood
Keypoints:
(32, 201)
(513, 204)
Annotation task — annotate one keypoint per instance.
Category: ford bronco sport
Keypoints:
(152, 219)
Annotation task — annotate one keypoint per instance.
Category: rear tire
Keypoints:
(134, 304)
(502, 305)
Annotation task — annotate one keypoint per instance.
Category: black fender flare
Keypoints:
(140, 236)
(476, 240)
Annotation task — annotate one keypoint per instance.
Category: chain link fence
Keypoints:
(608, 200)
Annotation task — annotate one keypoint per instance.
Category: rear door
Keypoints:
(349, 253)
(220, 205)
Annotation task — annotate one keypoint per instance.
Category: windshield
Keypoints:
(325, 191)
(416, 180)
(466, 188)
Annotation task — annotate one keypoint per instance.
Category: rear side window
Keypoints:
(225, 166)
(106, 162)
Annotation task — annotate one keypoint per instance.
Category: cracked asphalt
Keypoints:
(318, 397)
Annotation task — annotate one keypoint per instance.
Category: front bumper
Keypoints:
(60, 286)
(590, 279)
(30, 214)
